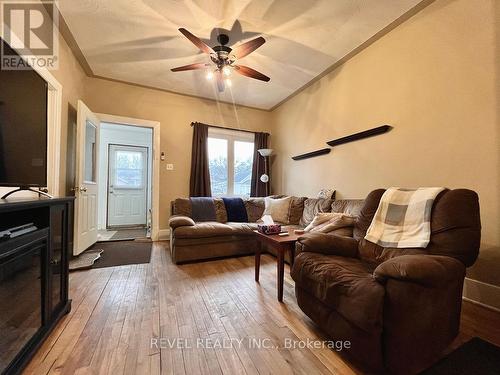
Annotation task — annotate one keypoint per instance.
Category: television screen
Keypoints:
(23, 127)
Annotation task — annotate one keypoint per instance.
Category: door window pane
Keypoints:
(243, 160)
(128, 169)
(90, 152)
(217, 161)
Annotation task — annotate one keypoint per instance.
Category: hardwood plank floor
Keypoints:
(122, 317)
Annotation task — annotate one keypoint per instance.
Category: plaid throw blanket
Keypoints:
(403, 218)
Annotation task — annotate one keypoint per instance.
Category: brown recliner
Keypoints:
(399, 308)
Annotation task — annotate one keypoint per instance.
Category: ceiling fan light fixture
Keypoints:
(226, 70)
(224, 57)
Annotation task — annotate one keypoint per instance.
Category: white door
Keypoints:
(87, 149)
(127, 185)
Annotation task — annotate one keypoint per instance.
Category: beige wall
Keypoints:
(175, 114)
(435, 79)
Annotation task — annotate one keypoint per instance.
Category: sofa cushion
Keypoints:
(214, 229)
(344, 284)
(182, 207)
(180, 221)
(313, 206)
(255, 208)
(296, 210)
(203, 209)
(351, 207)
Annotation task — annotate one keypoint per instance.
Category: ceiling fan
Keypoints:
(224, 58)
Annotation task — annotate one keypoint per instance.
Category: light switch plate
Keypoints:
(170, 167)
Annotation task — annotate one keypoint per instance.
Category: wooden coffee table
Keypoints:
(281, 244)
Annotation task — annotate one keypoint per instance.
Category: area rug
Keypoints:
(85, 260)
(121, 253)
(476, 356)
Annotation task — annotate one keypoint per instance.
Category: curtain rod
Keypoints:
(222, 127)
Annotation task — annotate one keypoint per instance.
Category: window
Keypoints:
(129, 169)
(90, 152)
(230, 156)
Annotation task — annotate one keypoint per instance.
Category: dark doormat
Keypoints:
(476, 356)
(121, 253)
(129, 234)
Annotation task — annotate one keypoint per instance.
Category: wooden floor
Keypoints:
(119, 315)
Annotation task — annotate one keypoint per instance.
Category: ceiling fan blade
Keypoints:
(220, 82)
(246, 48)
(190, 67)
(252, 73)
(196, 41)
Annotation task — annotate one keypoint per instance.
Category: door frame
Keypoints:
(148, 188)
(155, 178)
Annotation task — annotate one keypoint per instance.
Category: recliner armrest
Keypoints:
(328, 244)
(427, 270)
(180, 221)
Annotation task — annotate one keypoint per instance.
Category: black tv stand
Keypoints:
(33, 276)
(28, 188)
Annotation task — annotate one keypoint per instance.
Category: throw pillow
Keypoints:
(279, 209)
(313, 206)
(326, 194)
(235, 209)
(255, 208)
(333, 223)
(220, 211)
(296, 210)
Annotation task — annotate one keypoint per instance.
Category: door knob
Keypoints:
(83, 189)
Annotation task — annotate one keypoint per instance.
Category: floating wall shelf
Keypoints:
(361, 135)
(312, 154)
(349, 138)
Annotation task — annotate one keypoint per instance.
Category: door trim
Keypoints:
(111, 227)
(155, 180)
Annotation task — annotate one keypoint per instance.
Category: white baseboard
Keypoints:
(481, 293)
(164, 234)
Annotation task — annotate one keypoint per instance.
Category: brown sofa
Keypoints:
(399, 308)
(191, 241)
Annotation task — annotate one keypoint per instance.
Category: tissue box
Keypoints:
(269, 229)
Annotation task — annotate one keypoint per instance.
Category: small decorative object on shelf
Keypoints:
(312, 154)
(357, 136)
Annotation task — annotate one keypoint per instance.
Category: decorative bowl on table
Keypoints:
(269, 229)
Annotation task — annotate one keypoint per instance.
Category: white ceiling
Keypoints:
(137, 41)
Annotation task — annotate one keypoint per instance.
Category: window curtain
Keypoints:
(199, 184)
(258, 188)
